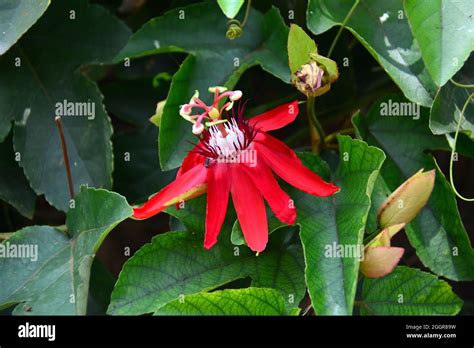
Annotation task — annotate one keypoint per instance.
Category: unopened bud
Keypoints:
(380, 258)
(406, 201)
(308, 80)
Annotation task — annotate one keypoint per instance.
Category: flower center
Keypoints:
(231, 144)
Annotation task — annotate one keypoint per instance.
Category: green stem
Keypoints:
(462, 85)
(451, 162)
(316, 130)
(343, 25)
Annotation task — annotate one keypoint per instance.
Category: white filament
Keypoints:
(231, 144)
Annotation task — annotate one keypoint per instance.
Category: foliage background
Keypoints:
(69, 60)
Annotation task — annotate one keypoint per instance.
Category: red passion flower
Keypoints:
(237, 156)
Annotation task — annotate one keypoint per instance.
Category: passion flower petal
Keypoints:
(187, 186)
(278, 200)
(248, 203)
(295, 173)
(276, 118)
(218, 183)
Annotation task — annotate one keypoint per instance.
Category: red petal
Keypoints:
(277, 199)
(218, 187)
(191, 160)
(294, 172)
(248, 203)
(274, 144)
(189, 181)
(276, 118)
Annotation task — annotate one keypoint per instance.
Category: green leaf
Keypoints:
(16, 17)
(230, 7)
(382, 28)
(447, 108)
(300, 45)
(137, 173)
(176, 264)
(250, 301)
(57, 282)
(50, 55)
(437, 234)
(263, 42)
(14, 187)
(379, 194)
(444, 32)
(408, 291)
(337, 221)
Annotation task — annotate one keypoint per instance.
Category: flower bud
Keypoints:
(380, 258)
(309, 80)
(407, 200)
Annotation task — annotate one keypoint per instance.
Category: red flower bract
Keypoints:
(239, 157)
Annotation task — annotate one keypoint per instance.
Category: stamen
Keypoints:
(211, 113)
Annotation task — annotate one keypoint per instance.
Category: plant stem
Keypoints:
(462, 85)
(315, 128)
(453, 150)
(343, 25)
(247, 12)
(333, 136)
(59, 125)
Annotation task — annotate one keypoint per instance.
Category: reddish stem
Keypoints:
(57, 119)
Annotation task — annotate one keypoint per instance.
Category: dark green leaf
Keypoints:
(382, 28)
(57, 282)
(447, 108)
(133, 101)
(409, 291)
(251, 301)
(213, 60)
(137, 173)
(437, 233)
(14, 187)
(49, 56)
(444, 32)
